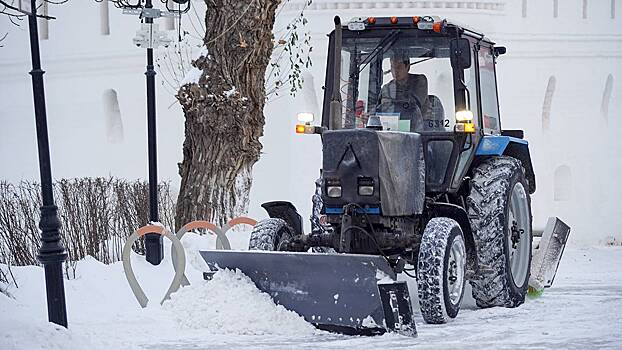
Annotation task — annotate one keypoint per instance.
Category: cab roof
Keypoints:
(431, 23)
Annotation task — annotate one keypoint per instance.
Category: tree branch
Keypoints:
(20, 14)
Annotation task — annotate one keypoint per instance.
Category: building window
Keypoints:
(548, 100)
(104, 14)
(562, 186)
(524, 8)
(584, 9)
(112, 112)
(555, 8)
(604, 106)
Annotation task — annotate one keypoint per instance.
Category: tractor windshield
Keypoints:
(406, 81)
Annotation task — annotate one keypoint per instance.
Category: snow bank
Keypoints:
(20, 331)
(231, 304)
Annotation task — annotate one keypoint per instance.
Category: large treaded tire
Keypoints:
(269, 233)
(432, 270)
(488, 206)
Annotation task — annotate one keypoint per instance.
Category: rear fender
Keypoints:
(286, 211)
(506, 145)
(460, 215)
(521, 152)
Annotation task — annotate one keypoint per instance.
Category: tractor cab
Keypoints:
(417, 178)
(415, 74)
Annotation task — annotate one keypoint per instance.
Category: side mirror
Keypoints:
(460, 53)
(500, 50)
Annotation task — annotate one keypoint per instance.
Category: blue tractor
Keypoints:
(418, 177)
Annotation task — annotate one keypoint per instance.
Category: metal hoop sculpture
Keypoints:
(179, 262)
(222, 242)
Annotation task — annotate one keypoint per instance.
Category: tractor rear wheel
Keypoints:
(269, 234)
(441, 270)
(500, 212)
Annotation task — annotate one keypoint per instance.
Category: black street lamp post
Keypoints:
(52, 253)
(154, 249)
(149, 37)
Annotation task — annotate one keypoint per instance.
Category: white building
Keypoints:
(557, 82)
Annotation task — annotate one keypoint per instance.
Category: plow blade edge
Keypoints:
(548, 254)
(345, 293)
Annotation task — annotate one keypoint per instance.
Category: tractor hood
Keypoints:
(391, 162)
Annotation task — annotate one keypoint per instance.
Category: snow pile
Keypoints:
(231, 304)
(230, 92)
(21, 331)
(192, 76)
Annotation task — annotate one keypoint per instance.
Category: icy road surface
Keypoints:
(583, 310)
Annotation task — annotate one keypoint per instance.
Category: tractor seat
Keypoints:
(435, 115)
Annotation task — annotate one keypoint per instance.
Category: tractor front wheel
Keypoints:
(270, 234)
(441, 270)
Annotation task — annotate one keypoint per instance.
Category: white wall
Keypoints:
(82, 64)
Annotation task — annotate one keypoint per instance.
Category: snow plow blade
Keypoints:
(547, 255)
(344, 293)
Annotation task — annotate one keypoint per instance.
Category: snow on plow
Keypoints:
(345, 293)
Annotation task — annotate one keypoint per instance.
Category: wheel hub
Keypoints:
(518, 242)
(455, 270)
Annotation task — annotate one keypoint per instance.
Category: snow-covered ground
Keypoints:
(582, 310)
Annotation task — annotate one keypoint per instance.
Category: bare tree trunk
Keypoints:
(224, 111)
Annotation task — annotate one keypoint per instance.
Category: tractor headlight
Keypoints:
(305, 117)
(464, 122)
(333, 188)
(333, 191)
(366, 186)
(366, 190)
(464, 116)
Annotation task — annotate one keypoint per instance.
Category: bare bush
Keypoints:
(6, 279)
(96, 214)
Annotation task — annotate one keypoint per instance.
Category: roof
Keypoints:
(420, 22)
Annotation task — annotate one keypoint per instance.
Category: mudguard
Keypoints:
(497, 145)
(286, 211)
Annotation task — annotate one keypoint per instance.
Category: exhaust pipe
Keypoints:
(335, 101)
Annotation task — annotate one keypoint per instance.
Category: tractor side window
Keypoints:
(488, 86)
(470, 79)
(363, 101)
(346, 90)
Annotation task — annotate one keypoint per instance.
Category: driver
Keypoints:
(406, 94)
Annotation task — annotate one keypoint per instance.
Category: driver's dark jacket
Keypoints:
(409, 98)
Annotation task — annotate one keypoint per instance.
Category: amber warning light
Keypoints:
(308, 129)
